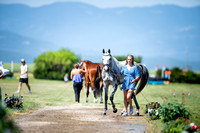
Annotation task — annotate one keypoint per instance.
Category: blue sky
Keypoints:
(110, 3)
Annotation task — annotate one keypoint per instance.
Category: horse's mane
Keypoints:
(117, 65)
(87, 61)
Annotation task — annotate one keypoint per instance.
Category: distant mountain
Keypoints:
(162, 33)
(14, 47)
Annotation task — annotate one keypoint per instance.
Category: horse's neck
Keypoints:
(116, 66)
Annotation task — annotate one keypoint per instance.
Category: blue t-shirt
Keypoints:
(77, 78)
(129, 75)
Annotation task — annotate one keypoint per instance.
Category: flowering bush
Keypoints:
(13, 102)
(153, 109)
(172, 111)
(192, 128)
(180, 125)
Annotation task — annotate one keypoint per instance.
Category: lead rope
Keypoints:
(145, 98)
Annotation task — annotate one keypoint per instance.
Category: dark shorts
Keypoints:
(23, 80)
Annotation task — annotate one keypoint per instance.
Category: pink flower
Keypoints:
(174, 94)
(183, 94)
(193, 127)
(189, 94)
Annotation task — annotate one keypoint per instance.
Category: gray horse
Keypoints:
(111, 67)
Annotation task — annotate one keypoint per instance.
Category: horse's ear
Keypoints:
(109, 51)
(103, 51)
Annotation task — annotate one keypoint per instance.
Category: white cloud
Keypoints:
(26, 42)
(186, 28)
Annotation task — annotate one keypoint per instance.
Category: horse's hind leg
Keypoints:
(101, 89)
(94, 91)
(135, 100)
(87, 92)
(112, 98)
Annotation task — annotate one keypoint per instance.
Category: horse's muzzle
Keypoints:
(106, 68)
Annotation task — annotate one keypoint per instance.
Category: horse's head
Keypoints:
(84, 63)
(107, 60)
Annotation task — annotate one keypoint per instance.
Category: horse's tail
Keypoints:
(97, 80)
(144, 76)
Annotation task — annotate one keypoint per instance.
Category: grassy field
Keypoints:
(16, 67)
(57, 93)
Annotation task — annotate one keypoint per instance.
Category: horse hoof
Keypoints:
(115, 110)
(104, 113)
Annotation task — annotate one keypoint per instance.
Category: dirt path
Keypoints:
(51, 119)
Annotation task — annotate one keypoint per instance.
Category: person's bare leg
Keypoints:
(19, 87)
(129, 94)
(29, 88)
(125, 100)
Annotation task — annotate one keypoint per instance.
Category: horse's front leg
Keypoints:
(106, 99)
(112, 98)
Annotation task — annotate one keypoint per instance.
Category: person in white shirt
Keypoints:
(23, 76)
(66, 78)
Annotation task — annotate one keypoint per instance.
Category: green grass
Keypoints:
(57, 93)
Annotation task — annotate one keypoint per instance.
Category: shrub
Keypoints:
(13, 102)
(6, 125)
(54, 65)
(172, 111)
(153, 109)
(184, 77)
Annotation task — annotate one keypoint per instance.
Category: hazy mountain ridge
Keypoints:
(164, 30)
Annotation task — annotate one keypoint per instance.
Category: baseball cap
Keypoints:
(22, 60)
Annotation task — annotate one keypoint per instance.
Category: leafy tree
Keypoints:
(137, 59)
(180, 76)
(177, 75)
(159, 73)
(54, 65)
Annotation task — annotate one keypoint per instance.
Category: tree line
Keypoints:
(54, 65)
(181, 76)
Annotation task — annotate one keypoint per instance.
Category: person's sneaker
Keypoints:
(17, 92)
(122, 111)
(131, 110)
(137, 112)
(30, 92)
(125, 114)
